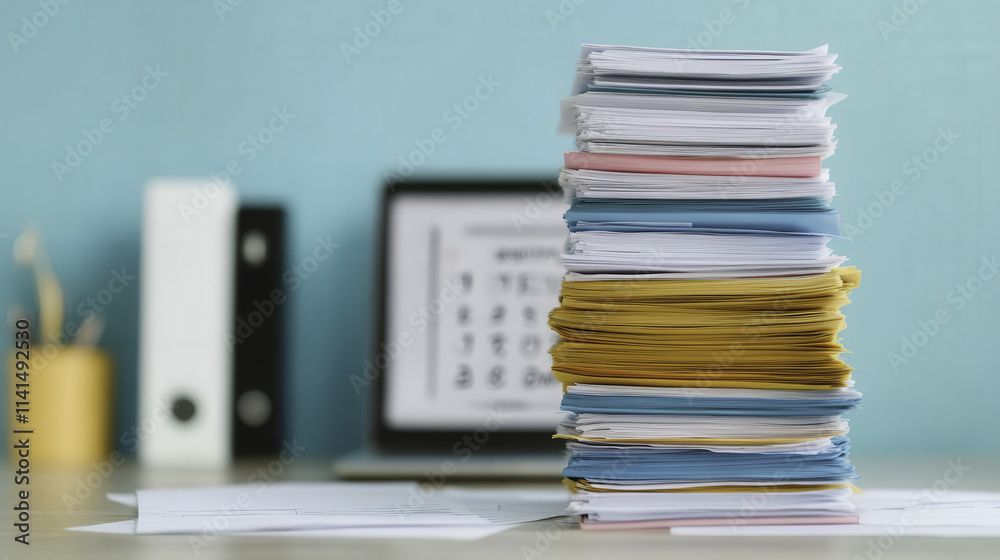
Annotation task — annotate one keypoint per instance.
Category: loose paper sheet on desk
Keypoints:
(331, 509)
(386, 511)
(895, 513)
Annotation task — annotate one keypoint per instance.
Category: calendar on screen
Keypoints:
(471, 278)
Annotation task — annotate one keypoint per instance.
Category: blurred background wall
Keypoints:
(201, 77)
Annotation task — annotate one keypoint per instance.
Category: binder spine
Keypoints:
(185, 367)
(258, 332)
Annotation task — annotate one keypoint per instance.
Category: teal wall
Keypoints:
(937, 70)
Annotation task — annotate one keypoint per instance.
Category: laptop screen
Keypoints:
(471, 271)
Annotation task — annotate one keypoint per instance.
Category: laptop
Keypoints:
(459, 380)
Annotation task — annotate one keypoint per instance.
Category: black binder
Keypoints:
(258, 343)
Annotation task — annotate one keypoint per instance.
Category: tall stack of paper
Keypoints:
(698, 321)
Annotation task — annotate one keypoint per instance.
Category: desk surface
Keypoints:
(50, 514)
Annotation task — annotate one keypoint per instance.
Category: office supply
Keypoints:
(889, 532)
(459, 372)
(891, 513)
(331, 508)
(62, 388)
(763, 333)
(592, 184)
(677, 526)
(617, 68)
(71, 409)
(469, 514)
(639, 163)
(698, 320)
(258, 332)
(444, 533)
(186, 320)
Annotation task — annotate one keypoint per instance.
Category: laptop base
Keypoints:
(371, 465)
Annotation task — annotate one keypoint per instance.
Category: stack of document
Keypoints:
(699, 317)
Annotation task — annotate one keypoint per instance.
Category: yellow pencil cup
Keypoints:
(70, 405)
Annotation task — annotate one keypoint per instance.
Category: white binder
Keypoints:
(185, 366)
